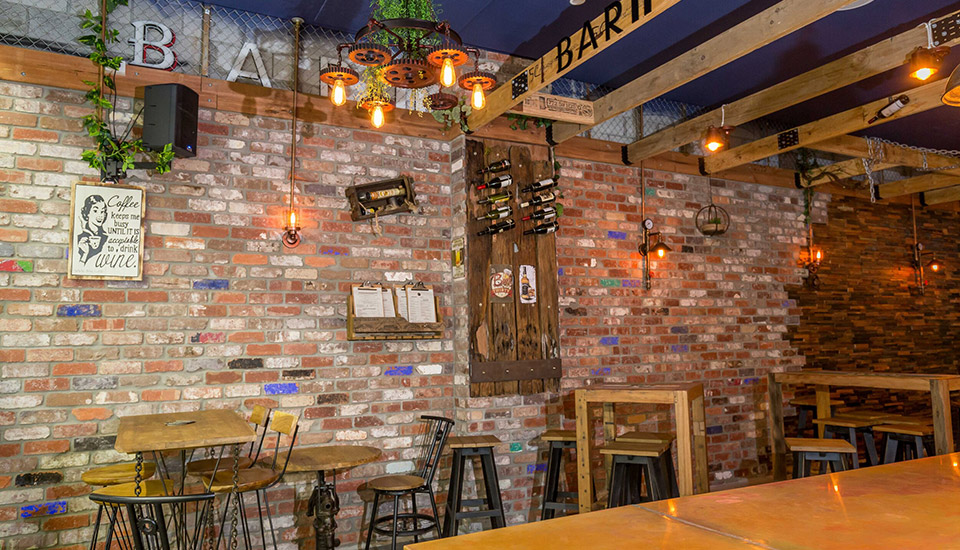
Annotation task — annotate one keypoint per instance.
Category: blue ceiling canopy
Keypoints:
(532, 28)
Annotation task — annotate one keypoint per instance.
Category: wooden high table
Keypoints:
(687, 401)
(939, 386)
(909, 504)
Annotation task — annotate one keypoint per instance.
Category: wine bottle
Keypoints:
(382, 194)
(543, 228)
(498, 227)
(494, 167)
(547, 213)
(539, 199)
(498, 182)
(496, 214)
(540, 185)
(498, 198)
(898, 103)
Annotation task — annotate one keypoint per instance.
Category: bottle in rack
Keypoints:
(538, 200)
(498, 182)
(898, 103)
(546, 213)
(543, 228)
(382, 194)
(497, 213)
(498, 227)
(540, 185)
(494, 167)
(497, 198)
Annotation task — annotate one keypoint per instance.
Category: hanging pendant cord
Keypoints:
(293, 122)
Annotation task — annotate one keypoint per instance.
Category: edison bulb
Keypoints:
(935, 266)
(819, 255)
(293, 218)
(479, 99)
(714, 146)
(339, 95)
(661, 252)
(448, 75)
(377, 116)
(923, 73)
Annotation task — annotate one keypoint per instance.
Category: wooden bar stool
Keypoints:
(473, 446)
(807, 410)
(825, 451)
(553, 498)
(905, 441)
(847, 427)
(648, 457)
(666, 459)
(108, 476)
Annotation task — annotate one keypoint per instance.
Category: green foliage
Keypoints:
(397, 9)
(114, 154)
(807, 166)
(455, 115)
(519, 122)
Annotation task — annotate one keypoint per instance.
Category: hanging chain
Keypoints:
(236, 499)
(923, 151)
(138, 477)
(211, 530)
(875, 155)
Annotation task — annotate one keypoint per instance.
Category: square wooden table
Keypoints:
(687, 401)
(938, 385)
(182, 431)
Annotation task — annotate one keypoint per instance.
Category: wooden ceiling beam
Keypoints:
(854, 146)
(878, 58)
(940, 196)
(922, 99)
(919, 184)
(619, 18)
(838, 171)
(750, 35)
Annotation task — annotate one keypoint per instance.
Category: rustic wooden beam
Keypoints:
(940, 196)
(839, 171)
(922, 99)
(854, 146)
(919, 184)
(752, 34)
(878, 58)
(619, 18)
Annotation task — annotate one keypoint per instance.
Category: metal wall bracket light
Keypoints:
(813, 266)
(650, 246)
(291, 232)
(934, 264)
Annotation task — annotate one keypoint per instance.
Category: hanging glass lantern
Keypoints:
(712, 220)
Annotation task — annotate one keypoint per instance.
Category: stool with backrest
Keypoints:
(115, 474)
(152, 513)
(433, 435)
(267, 472)
(807, 410)
(553, 498)
(259, 417)
(905, 441)
(470, 447)
(649, 458)
(832, 452)
(847, 427)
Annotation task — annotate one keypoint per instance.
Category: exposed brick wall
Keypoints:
(226, 317)
(867, 314)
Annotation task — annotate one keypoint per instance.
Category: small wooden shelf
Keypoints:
(391, 328)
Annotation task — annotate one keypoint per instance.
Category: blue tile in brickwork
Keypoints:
(632, 283)
(531, 468)
(45, 509)
(600, 371)
(713, 430)
(560, 271)
(679, 330)
(610, 340)
(211, 284)
(679, 348)
(749, 381)
(619, 235)
(399, 371)
(78, 310)
(286, 387)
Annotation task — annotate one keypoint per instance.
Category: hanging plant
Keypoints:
(115, 153)
(807, 166)
(519, 122)
(455, 115)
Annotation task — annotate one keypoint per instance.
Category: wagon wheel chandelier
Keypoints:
(408, 53)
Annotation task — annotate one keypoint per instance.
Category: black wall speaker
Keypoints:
(170, 116)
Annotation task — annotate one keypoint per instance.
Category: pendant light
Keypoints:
(291, 231)
(718, 138)
(925, 61)
(477, 82)
(951, 96)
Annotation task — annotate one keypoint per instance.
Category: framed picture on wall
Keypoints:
(106, 232)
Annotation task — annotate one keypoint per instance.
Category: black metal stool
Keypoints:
(634, 463)
(825, 451)
(807, 410)
(471, 446)
(553, 498)
(847, 427)
(905, 441)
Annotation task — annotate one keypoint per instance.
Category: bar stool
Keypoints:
(807, 409)
(553, 498)
(666, 459)
(649, 458)
(107, 476)
(825, 451)
(905, 441)
(473, 446)
(847, 427)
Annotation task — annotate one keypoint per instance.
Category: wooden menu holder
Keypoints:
(391, 328)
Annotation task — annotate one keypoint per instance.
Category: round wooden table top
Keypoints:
(331, 457)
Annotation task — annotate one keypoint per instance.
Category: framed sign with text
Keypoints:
(106, 232)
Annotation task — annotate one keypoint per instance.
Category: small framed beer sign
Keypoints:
(106, 232)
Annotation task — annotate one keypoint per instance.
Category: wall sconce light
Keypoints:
(813, 266)
(934, 264)
(291, 231)
(649, 246)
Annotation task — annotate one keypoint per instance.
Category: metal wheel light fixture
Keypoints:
(291, 232)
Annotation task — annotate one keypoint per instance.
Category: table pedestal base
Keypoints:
(323, 506)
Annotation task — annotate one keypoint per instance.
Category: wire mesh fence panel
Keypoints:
(49, 25)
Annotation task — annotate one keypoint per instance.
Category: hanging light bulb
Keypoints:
(448, 75)
(819, 256)
(478, 98)
(935, 265)
(376, 117)
(715, 139)
(339, 95)
(925, 62)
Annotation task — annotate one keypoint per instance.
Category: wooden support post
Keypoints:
(205, 42)
(584, 481)
(681, 410)
(823, 406)
(609, 434)
(777, 444)
(702, 479)
(942, 419)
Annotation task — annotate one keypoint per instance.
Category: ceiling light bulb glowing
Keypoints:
(714, 146)
(377, 116)
(478, 99)
(339, 95)
(448, 75)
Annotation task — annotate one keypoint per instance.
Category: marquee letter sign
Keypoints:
(164, 46)
(248, 49)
